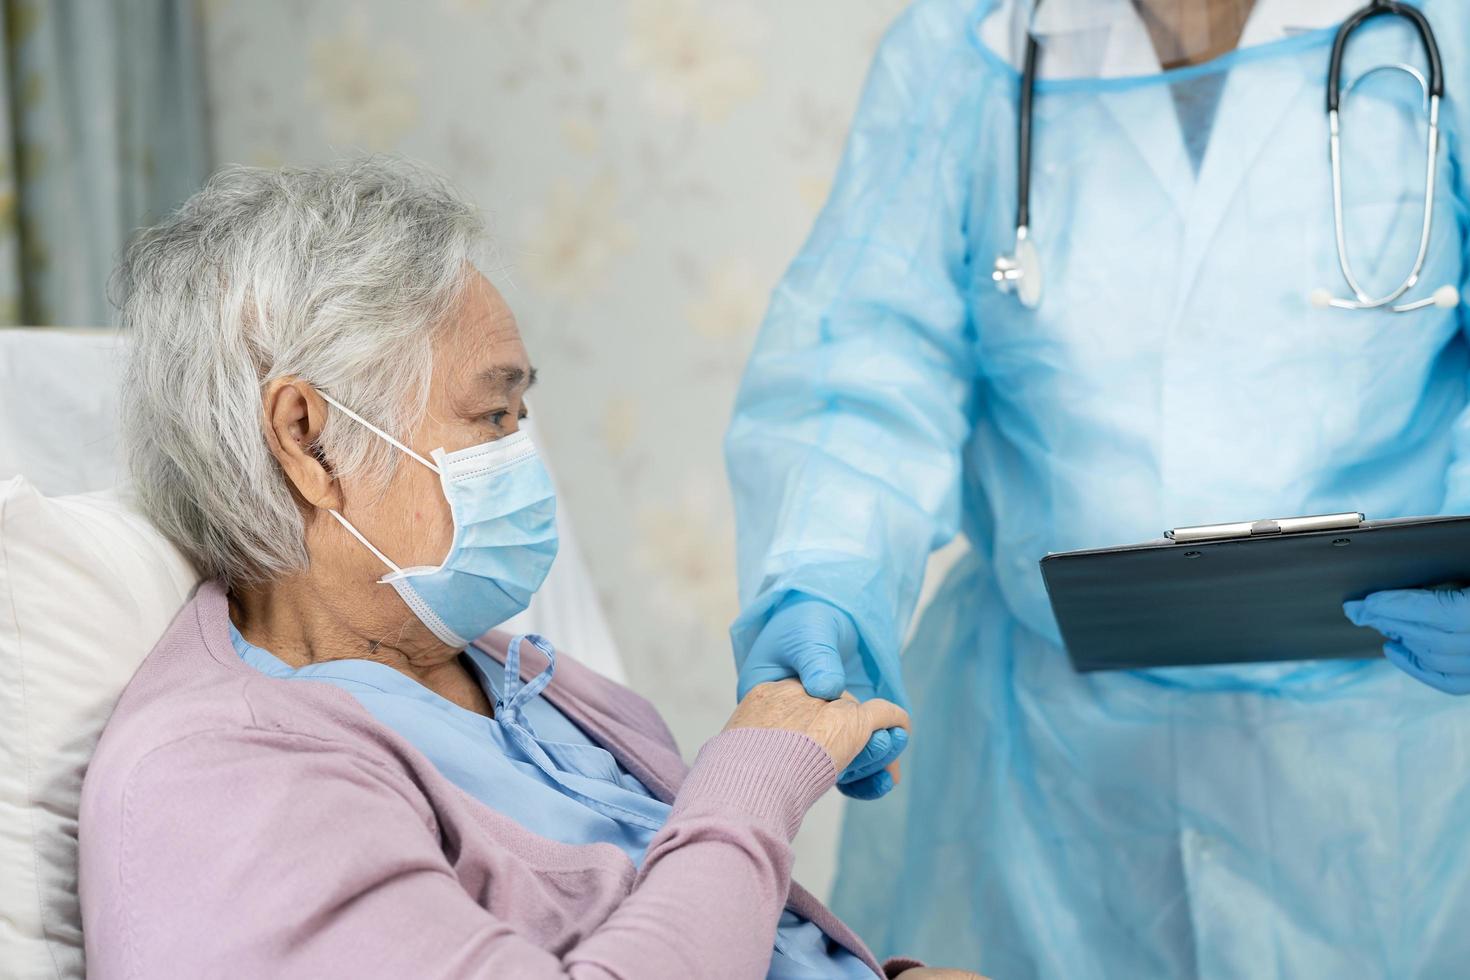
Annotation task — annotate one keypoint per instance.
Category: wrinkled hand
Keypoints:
(1428, 633)
(842, 727)
(937, 973)
(811, 640)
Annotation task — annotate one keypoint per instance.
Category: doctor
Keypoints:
(1166, 366)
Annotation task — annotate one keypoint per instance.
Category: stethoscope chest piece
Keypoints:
(1020, 271)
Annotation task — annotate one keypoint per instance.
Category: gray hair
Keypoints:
(341, 275)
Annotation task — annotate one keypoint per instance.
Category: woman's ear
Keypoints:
(294, 416)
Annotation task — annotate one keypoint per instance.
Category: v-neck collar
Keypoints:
(1107, 39)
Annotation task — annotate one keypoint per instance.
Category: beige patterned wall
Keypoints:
(649, 167)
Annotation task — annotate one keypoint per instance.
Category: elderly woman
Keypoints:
(330, 766)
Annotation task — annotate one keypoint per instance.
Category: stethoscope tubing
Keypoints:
(1012, 269)
(1023, 136)
(1378, 8)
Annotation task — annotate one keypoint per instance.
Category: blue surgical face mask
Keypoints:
(504, 509)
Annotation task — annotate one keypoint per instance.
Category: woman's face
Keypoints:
(476, 395)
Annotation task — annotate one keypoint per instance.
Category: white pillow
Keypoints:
(71, 444)
(87, 586)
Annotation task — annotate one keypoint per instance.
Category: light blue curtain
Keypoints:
(102, 130)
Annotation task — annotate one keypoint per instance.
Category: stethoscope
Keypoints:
(1019, 271)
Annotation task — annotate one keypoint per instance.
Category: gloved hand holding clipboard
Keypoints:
(1248, 592)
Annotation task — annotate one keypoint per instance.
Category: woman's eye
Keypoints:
(498, 419)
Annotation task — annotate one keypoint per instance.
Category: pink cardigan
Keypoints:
(233, 823)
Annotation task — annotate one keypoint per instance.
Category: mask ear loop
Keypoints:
(379, 432)
(366, 543)
(383, 435)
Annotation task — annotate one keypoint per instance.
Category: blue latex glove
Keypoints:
(811, 639)
(1428, 632)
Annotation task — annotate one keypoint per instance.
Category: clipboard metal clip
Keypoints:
(1255, 529)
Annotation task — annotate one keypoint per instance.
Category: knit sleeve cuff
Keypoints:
(768, 773)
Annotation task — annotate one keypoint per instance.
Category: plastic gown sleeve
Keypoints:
(845, 448)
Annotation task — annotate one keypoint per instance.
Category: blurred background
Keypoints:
(648, 167)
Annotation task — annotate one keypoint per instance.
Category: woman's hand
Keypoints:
(813, 640)
(937, 973)
(842, 727)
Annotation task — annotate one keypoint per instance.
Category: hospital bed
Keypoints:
(86, 587)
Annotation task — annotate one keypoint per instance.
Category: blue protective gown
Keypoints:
(1284, 820)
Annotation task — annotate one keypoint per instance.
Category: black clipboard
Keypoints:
(1252, 592)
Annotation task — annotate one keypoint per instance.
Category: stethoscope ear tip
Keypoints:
(1321, 297)
(1446, 297)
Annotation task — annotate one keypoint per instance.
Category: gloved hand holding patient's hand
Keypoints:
(1428, 632)
(811, 640)
(842, 727)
